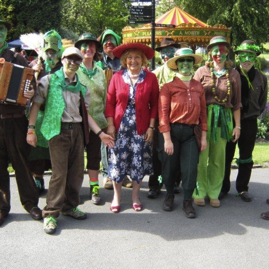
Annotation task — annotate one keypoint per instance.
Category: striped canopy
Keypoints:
(176, 16)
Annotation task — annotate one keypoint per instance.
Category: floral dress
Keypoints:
(131, 155)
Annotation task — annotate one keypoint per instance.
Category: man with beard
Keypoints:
(13, 146)
(48, 63)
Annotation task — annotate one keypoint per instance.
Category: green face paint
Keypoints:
(167, 53)
(219, 54)
(110, 38)
(247, 56)
(3, 33)
(185, 65)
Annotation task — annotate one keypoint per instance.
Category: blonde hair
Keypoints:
(124, 56)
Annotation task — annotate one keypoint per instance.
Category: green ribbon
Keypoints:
(246, 76)
(240, 161)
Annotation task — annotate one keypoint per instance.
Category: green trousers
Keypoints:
(211, 169)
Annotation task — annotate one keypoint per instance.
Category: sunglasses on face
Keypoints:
(72, 60)
(185, 60)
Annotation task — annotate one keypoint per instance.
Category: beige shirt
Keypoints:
(72, 100)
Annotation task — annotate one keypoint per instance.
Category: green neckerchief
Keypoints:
(214, 113)
(5, 46)
(47, 67)
(71, 88)
(219, 73)
(91, 72)
(246, 76)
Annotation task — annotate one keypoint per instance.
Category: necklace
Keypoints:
(224, 100)
(133, 76)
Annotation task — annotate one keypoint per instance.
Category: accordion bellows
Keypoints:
(14, 80)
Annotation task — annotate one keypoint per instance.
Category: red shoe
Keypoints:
(137, 207)
(115, 209)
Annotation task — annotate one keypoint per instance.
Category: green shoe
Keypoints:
(75, 213)
(50, 225)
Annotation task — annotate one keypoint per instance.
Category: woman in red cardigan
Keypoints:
(131, 110)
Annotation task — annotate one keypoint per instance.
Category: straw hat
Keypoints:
(183, 53)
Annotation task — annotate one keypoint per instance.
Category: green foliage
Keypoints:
(262, 128)
(95, 15)
(31, 16)
(248, 19)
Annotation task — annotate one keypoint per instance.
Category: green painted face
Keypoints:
(247, 56)
(3, 33)
(185, 65)
(167, 53)
(219, 54)
(110, 38)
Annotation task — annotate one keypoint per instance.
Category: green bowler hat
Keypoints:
(87, 37)
(183, 53)
(217, 40)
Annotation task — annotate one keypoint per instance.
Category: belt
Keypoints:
(69, 125)
(11, 115)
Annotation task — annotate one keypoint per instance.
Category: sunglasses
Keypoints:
(76, 61)
(185, 60)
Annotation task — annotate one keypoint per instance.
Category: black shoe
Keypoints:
(153, 193)
(168, 202)
(222, 195)
(36, 213)
(245, 196)
(188, 209)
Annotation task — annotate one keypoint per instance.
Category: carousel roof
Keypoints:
(177, 16)
(176, 24)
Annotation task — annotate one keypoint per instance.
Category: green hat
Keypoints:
(52, 40)
(217, 40)
(109, 32)
(7, 24)
(248, 46)
(87, 37)
(183, 53)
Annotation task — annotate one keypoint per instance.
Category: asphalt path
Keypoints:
(232, 236)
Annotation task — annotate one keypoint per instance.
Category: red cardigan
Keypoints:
(146, 100)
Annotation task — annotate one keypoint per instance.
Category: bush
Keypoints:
(264, 118)
(262, 128)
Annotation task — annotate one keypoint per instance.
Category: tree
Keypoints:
(248, 19)
(31, 16)
(95, 15)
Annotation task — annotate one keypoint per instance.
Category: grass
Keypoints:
(260, 154)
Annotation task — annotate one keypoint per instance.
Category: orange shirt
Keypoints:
(181, 104)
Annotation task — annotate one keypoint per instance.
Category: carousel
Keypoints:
(182, 28)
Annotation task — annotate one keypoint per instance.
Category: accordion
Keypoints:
(14, 80)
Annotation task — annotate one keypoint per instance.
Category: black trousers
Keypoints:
(14, 148)
(246, 144)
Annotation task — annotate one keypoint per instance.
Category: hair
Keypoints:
(126, 53)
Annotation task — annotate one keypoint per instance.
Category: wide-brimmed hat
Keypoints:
(248, 46)
(183, 53)
(87, 37)
(218, 40)
(166, 42)
(72, 51)
(7, 24)
(101, 38)
(149, 52)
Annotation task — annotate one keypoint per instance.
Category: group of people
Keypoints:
(175, 124)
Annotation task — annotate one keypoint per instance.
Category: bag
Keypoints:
(198, 135)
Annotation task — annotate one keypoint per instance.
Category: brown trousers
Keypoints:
(67, 160)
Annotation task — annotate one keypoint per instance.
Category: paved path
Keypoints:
(232, 236)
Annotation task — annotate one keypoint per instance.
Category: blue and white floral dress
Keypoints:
(131, 155)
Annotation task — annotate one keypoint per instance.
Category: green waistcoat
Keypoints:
(55, 104)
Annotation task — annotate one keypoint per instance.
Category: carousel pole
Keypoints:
(153, 34)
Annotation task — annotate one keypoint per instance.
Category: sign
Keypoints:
(165, 25)
(141, 11)
(132, 21)
(141, 1)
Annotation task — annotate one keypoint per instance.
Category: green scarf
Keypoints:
(90, 73)
(4, 47)
(62, 84)
(214, 113)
